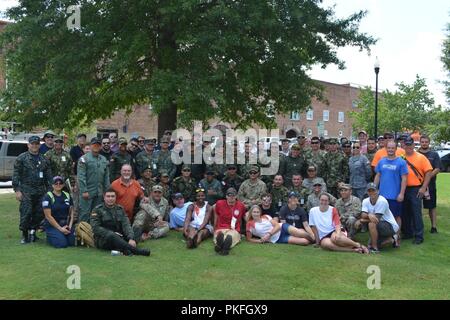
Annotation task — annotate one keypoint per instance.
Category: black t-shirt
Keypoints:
(271, 212)
(435, 161)
(60, 207)
(294, 217)
(76, 153)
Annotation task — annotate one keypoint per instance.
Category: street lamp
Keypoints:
(377, 70)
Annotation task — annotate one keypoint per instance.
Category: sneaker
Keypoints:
(227, 245)
(25, 238)
(396, 242)
(418, 241)
(373, 251)
(32, 236)
(142, 252)
(433, 230)
(219, 242)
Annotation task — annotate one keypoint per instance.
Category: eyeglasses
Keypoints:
(200, 190)
(106, 142)
(355, 148)
(134, 145)
(315, 142)
(253, 172)
(186, 170)
(231, 168)
(141, 141)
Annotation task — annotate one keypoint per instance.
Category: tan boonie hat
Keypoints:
(157, 188)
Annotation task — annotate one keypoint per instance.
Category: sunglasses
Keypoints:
(231, 168)
(186, 170)
(355, 148)
(316, 142)
(200, 190)
(140, 141)
(106, 142)
(253, 172)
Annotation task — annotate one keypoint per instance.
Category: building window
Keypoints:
(326, 115)
(310, 114)
(340, 133)
(325, 133)
(341, 116)
(295, 115)
(354, 103)
(309, 132)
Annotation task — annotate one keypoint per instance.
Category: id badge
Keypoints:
(154, 166)
(302, 201)
(233, 223)
(279, 203)
(41, 175)
(63, 158)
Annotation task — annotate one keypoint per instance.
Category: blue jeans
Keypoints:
(58, 239)
(412, 222)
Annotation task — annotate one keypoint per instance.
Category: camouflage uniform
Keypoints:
(303, 194)
(106, 222)
(167, 191)
(60, 164)
(315, 158)
(31, 176)
(185, 187)
(164, 162)
(334, 170)
(279, 197)
(93, 177)
(117, 161)
(291, 166)
(214, 185)
(309, 184)
(147, 185)
(314, 201)
(252, 191)
(149, 219)
(370, 155)
(350, 211)
(146, 160)
(231, 182)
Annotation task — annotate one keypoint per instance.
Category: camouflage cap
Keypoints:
(59, 139)
(165, 139)
(345, 186)
(296, 147)
(157, 188)
(231, 191)
(123, 140)
(317, 182)
(33, 139)
(372, 186)
(254, 168)
(163, 173)
(149, 141)
(49, 133)
(333, 141)
(186, 167)
(149, 167)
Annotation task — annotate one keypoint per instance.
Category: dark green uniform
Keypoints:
(146, 160)
(303, 194)
(185, 187)
(147, 185)
(60, 163)
(32, 176)
(231, 182)
(215, 186)
(334, 170)
(164, 162)
(279, 196)
(93, 178)
(315, 158)
(106, 222)
(291, 166)
(117, 161)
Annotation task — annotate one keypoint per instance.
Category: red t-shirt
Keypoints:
(127, 195)
(225, 213)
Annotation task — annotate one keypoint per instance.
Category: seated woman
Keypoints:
(325, 222)
(196, 225)
(58, 211)
(262, 228)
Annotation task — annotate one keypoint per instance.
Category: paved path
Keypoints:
(5, 187)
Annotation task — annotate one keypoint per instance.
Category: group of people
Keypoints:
(324, 192)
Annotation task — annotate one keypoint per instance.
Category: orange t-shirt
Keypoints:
(380, 154)
(422, 165)
(127, 195)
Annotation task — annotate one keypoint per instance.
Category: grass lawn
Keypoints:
(37, 271)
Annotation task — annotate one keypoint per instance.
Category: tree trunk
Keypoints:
(167, 120)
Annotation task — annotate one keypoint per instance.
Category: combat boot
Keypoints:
(25, 238)
(32, 237)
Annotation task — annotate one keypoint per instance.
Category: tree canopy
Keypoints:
(445, 58)
(239, 61)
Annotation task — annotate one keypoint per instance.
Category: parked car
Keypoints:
(445, 160)
(9, 150)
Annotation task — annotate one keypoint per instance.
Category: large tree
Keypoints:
(446, 61)
(406, 109)
(239, 61)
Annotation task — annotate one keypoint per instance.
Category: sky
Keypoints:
(410, 34)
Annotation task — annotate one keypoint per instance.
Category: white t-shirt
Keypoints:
(325, 222)
(380, 207)
(260, 229)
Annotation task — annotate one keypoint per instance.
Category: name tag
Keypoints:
(154, 166)
(279, 203)
(41, 174)
(302, 201)
(63, 158)
(233, 223)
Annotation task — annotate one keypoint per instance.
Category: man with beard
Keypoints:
(106, 149)
(48, 142)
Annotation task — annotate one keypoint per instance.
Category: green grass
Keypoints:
(251, 271)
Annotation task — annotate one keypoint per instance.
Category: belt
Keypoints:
(414, 186)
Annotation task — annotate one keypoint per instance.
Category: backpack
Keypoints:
(84, 234)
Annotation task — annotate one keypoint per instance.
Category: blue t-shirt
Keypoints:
(391, 172)
(60, 208)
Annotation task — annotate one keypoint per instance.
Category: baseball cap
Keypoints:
(231, 191)
(284, 139)
(81, 135)
(186, 167)
(177, 196)
(163, 173)
(293, 194)
(59, 139)
(210, 172)
(49, 133)
(295, 147)
(231, 166)
(345, 186)
(157, 188)
(362, 131)
(58, 178)
(254, 168)
(317, 182)
(347, 144)
(95, 140)
(372, 186)
(149, 141)
(333, 141)
(165, 139)
(409, 141)
(123, 140)
(34, 139)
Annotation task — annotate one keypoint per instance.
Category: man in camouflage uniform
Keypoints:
(60, 161)
(315, 156)
(347, 149)
(295, 163)
(31, 179)
(314, 198)
(185, 184)
(164, 183)
(301, 141)
(371, 149)
(119, 159)
(111, 227)
(252, 190)
(231, 178)
(150, 221)
(298, 188)
(93, 179)
(145, 159)
(334, 168)
(349, 208)
(213, 188)
(245, 168)
(146, 181)
(163, 159)
(279, 193)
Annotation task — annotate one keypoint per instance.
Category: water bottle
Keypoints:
(116, 253)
